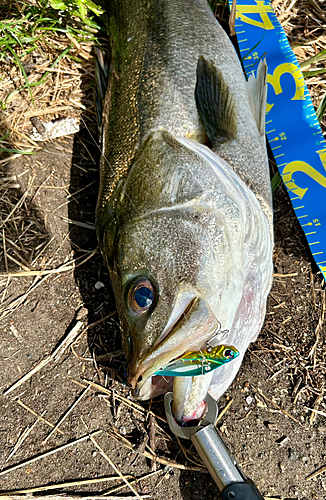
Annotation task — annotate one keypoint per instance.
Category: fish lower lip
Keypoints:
(198, 325)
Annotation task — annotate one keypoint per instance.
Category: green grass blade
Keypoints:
(23, 71)
(41, 80)
(18, 151)
(276, 181)
(312, 60)
(314, 72)
(321, 108)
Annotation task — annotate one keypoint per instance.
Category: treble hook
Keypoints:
(217, 333)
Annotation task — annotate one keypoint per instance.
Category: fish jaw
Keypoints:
(188, 397)
(190, 333)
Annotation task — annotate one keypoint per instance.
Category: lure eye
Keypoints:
(228, 354)
(141, 296)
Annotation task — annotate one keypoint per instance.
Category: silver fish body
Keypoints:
(186, 230)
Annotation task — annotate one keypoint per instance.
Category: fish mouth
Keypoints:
(189, 332)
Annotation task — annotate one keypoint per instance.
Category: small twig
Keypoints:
(276, 405)
(225, 409)
(65, 415)
(4, 249)
(276, 373)
(80, 482)
(18, 204)
(114, 408)
(152, 444)
(17, 302)
(104, 390)
(48, 453)
(22, 437)
(87, 328)
(38, 125)
(265, 364)
(315, 408)
(67, 341)
(316, 473)
(119, 488)
(313, 289)
(66, 497)
(38, 416)
(108, 459)
(42, 183)
(289, 275)
(322, 413)
(122, 439)
(232, 18)
(318, 328)
(185, 453)
(28, 375)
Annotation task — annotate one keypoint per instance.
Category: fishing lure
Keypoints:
(199, 362)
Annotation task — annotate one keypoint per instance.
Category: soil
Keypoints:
(269, 426)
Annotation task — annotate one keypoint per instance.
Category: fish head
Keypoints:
(170, 263)
(163, 311)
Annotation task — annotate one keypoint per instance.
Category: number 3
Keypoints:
(275, 81)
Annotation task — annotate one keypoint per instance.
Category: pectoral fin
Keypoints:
(258, 93)
(215, 103)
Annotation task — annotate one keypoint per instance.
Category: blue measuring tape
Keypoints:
(292, 127)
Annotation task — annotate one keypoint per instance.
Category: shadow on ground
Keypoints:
(91, 276)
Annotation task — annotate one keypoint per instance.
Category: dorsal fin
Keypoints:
(215, 103)
(258, 94)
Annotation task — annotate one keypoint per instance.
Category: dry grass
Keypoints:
(59, 71)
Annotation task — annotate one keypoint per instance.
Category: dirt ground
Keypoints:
(269, 425)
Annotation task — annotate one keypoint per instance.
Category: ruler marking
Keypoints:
(276, 44)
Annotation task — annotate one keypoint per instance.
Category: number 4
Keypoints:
(261, 9)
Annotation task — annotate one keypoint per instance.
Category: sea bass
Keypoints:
(184, 215)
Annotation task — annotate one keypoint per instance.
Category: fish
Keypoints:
(184, 215)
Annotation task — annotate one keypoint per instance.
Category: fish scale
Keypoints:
(298, 144)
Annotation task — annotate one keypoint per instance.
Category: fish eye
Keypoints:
(141, 295)
(228, 354)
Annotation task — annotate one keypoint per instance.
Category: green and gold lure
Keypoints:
(200, 362)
